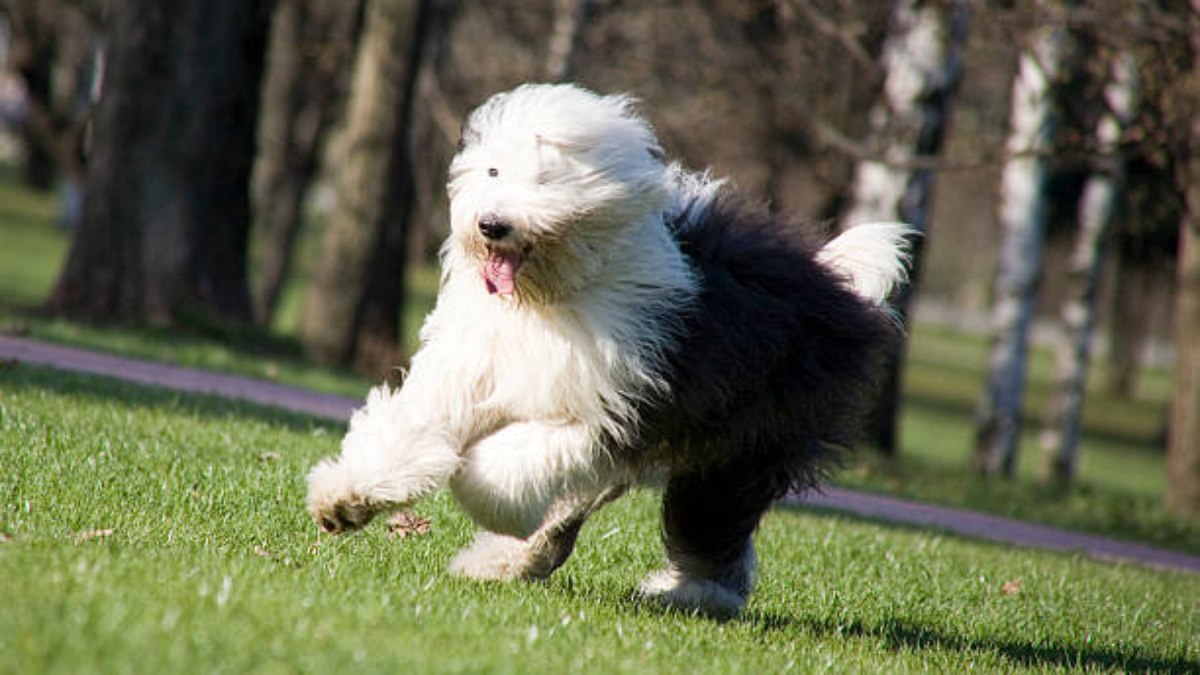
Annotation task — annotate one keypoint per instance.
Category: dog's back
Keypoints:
(778, 353)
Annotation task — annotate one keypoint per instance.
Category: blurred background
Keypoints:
(257, 186)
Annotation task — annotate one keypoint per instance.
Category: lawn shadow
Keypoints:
(19, 377)
(901, 634)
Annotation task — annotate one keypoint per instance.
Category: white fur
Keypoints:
(512, 399)
(873, 257)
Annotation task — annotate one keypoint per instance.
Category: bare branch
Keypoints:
(828, 27)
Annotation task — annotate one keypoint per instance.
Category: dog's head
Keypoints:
(545, 180)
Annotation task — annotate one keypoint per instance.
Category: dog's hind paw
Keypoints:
(674, 590)
(495, 557)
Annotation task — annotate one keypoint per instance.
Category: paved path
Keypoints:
(860, 504)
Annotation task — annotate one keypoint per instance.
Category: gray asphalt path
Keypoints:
(960, 522)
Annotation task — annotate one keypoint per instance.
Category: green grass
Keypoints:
(1120, 480)
(33, 246)
(212, 566)
(1121, 477)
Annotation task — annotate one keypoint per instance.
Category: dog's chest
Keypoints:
(515, 364)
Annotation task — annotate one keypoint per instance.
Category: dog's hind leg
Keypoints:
(709, 519)
(501, 557)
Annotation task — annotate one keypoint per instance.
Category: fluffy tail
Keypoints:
(872, 257)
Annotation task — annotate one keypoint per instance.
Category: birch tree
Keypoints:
(922, 58)
(1023, 194)
(1097, 211)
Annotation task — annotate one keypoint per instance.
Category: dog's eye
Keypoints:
(493, 172)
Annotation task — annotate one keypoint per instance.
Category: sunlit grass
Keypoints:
(152, 532)
(1121, 474)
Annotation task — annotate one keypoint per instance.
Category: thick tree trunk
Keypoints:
(923, 60)
(1183, 447)
(1022, 215)
(167, 214)
(312, 44)
(1097, 210)
(352, 312)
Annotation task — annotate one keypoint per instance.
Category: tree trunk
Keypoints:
(351, 315)
(1097, 210)
(312, 44)
(923, 61)
(1131, 316)
(1033, 122)
(569, 19)
(166, 212)
(1183, 447)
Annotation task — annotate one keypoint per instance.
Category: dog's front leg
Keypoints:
(508, 480)
(394, 453)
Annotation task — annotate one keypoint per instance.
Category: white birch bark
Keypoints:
(1032, 125)
(1097, 210)
(923, 60)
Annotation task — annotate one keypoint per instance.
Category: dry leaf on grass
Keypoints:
(5, 537)
(1011, 587)
(94, 534)
(403, 525)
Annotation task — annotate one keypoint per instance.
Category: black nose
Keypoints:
(494, 227)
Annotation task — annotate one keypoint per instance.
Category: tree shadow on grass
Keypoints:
(900, 634)
(20, 378)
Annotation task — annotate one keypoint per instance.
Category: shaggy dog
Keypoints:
(606, 319)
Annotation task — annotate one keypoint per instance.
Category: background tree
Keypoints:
(569, 18)
(352, 312)
(923, 61)
(1183, 449)
(166, 212)
(1034, 119)
(311, 48)
(1102, 193)
(54, 51)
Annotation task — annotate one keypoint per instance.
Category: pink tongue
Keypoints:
(500, 272)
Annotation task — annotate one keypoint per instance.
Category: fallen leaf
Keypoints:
(270, 456)
(263, 553)
(94, 534)
(402, 525)
(5, 537)
(1011, 587)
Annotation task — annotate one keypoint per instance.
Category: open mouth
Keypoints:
(500, 271)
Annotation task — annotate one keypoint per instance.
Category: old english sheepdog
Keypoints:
(605, 319)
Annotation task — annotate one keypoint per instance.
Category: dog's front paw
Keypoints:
(334, 504)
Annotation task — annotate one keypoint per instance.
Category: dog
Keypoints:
(606, 318)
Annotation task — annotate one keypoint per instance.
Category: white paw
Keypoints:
(492, 557)
(333, 502)
(671, 588)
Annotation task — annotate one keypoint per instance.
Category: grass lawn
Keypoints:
(1121, 476)
(149, 532)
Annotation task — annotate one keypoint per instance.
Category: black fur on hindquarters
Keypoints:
(774, 366)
